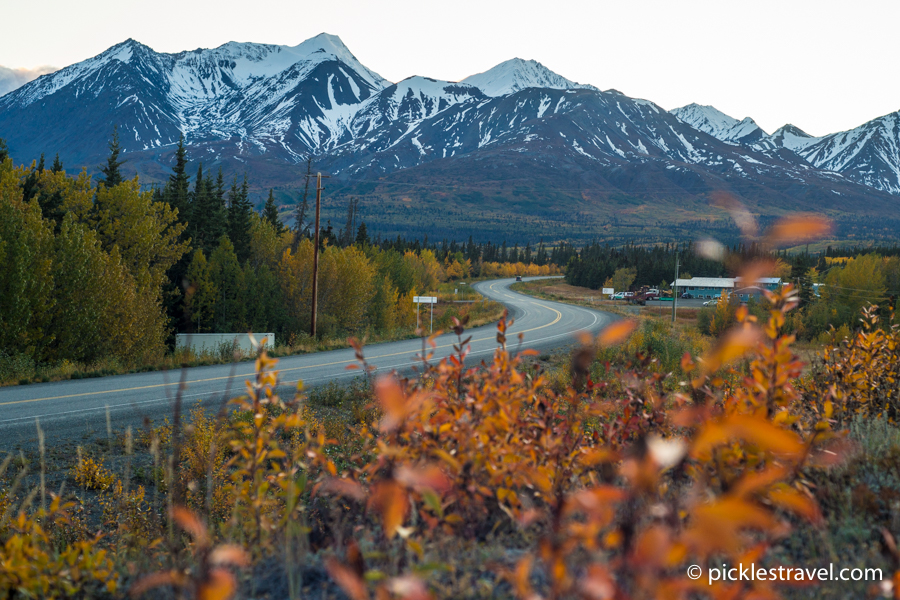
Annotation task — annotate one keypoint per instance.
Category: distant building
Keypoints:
(704, 287)
(770, 283)
(744, 294)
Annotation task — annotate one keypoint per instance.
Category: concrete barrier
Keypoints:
(212, 343)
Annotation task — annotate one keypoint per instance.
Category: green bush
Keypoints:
(15, 366)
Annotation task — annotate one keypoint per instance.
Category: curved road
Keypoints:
(77, 409)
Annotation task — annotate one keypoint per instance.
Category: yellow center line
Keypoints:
(330, 364)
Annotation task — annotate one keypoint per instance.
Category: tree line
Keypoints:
(98, 267)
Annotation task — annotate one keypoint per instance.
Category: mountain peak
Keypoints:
(792, 137)
(793, 130)
(329, 44)
(713, 121)
(518, 74)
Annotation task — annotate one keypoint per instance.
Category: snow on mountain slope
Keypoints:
(607, 128)
(263, 104)
(310, 103)
(516, 74)
(400, 107)
(49, 84)
(719, 125)
(792, 137)
(868, 154)
(258, 93)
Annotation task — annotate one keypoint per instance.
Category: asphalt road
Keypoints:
(76, 410)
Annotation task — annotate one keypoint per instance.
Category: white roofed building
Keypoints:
(770, 283)
(704, 287)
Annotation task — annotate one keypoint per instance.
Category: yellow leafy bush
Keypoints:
(34, 568)
(92, 475)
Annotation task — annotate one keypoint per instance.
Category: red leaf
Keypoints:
(347, 580)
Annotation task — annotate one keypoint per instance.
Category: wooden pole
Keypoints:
(675, 290)
(315, 281)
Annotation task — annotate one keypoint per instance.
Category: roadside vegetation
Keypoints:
(492, 481)
(97, 278)
(651, 448)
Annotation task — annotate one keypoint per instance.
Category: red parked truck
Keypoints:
(643, 296)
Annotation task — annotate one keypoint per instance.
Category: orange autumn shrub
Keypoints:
(858, 376)
(624, 493)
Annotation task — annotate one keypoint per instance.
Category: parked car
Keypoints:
(642, 298)
(618, 296)
(687, 296)
(653, 291)
(712, 302)
(629, 294)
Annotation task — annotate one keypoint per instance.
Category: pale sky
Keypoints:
(822, 65)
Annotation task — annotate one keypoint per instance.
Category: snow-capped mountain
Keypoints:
(516, 74)
(791, 137)
(260, 97)
(411, 101)
(719, 125)
(868, 154)
(264, 109)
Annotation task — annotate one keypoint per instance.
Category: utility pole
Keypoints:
(315, 281)
(675, 289)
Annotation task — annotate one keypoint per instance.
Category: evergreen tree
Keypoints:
(362, 236)
(204, 227)
(4, 150)
(239, 212)
(30, 185)
(200, 297)
(57, 164)
(327, 236)
(270, 213)
(227, 277)
(263, 299)
(218, 222)
(49, 192)
(176, 193)
(302, 227)
(112, 176)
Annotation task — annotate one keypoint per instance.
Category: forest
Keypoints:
(100, 268)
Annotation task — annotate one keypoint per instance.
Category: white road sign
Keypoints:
(425, 299)
(608, 291)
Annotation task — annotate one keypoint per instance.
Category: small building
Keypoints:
(746, 293)
(704, 287)
(224, 344)
(772, 284)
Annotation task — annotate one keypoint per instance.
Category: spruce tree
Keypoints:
(197, 198)
(30, 185)
(49, 197)
(176, 192)
(239, 219)
(302, 227)
(112, 176)
(207, 212)
(4, 150)
(218, 223)
(57, 164)
(362, 236)
(200, 297)
(270, 213)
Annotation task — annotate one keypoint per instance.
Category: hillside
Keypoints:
(516, 150)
